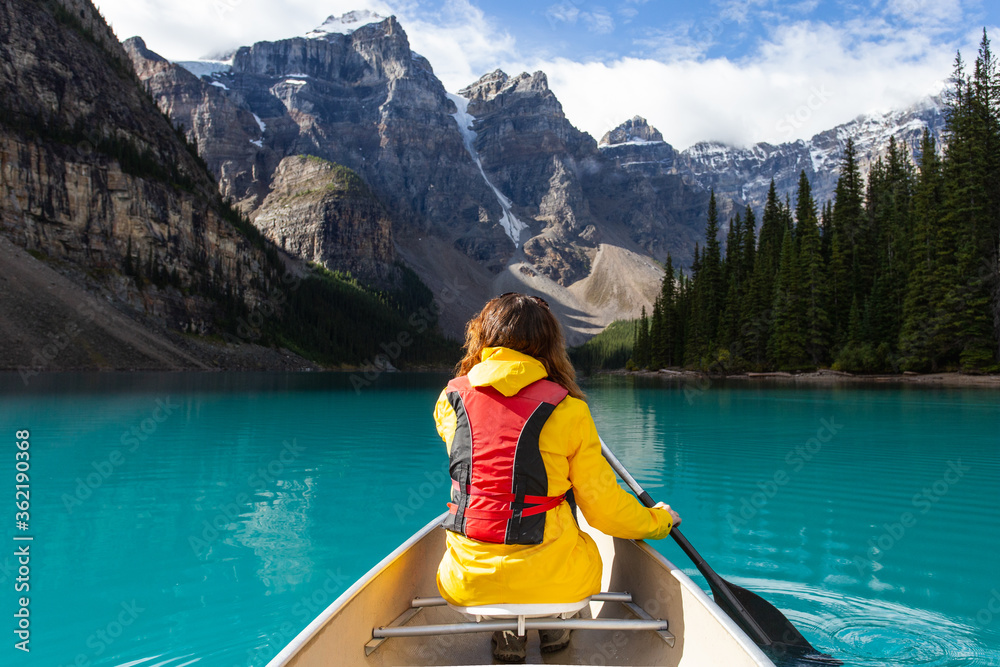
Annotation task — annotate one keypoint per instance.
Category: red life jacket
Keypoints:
(498, 477)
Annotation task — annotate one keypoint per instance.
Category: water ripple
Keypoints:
(873, 633)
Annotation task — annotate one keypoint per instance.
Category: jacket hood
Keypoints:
(506, 370)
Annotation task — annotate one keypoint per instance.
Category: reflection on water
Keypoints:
(226, 510)
(867, 515)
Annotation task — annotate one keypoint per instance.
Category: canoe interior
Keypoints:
(704, 636)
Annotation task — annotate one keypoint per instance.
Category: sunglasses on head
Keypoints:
(537, 299)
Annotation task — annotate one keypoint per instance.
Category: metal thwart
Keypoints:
(520, 623)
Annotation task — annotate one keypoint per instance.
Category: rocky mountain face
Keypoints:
(493, 185)
(635, 131)
(742, 176)
(529, 149)
(361, 100)
(96, 182)
(324, 213)
(492, 189)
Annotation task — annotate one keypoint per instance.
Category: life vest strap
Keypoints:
(503, 497)
(474, 513)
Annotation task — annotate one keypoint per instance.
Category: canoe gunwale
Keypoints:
(715, 610)
(307, 633)
(314, 629)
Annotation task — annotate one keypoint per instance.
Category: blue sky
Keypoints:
(736, 71)
(734, 29)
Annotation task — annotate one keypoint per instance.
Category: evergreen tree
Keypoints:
(771, 231)
(786, 348)
(732, 257)
(711, 279)
(847, 233)
(988, 83)
(682, 312)
(977, 258)
(812, 290)
(885, 258)
(966, 241)
(854, 325)
(695, 336)
(757, 318)
(656, 351)
(640, 349)
(668, 303)
(729, 320)
(916, 341)
(749, 244)
(826, 232)
(907, 262)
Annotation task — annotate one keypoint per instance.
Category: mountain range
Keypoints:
(346, 151)
(741, 176)
(494, 179)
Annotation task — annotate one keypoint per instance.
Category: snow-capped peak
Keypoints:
(346, 24)
(206, 67)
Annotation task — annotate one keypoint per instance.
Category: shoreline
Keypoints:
(820, 377)
(828, 377)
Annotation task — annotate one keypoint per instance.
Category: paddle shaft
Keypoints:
(717, 583)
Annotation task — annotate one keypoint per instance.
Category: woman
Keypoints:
(522, 447)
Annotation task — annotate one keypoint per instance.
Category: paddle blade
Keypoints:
(783, 639)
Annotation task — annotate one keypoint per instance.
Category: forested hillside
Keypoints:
(899, 273)
(99, 186)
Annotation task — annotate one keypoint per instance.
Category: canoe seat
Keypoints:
(523, 611)
(520, 618)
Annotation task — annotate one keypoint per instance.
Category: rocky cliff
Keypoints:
(742, 176)
(94, 179)
(117, 250)
(490, 187)
(361, 100)
(635, 131)
(531, 151)
(324, 213)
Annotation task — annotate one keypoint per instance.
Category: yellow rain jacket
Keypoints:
(566, 566)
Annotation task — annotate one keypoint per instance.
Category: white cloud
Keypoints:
(805, 78)
(929, 13)
(189, 29)
(599, 21)
(681, 41)
(802, 78)
(739, 10)
(460, 43)
(563, 13)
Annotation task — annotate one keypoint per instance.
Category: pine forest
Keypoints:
(898, 273)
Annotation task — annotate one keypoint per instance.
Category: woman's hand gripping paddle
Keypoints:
(761, 620)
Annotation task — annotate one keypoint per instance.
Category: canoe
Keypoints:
(699, 632)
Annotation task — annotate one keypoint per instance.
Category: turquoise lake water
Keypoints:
(204, 519)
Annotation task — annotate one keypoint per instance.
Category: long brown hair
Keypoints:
(523, 323)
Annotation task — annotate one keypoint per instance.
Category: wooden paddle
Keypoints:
(763, 623)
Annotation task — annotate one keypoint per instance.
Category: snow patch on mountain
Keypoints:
(510, 222)
(344, 24)
(745, 173)
(202, 68)
(632, 141)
